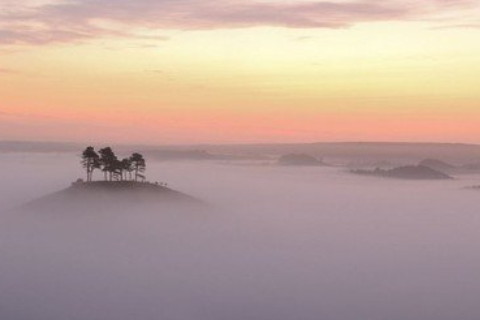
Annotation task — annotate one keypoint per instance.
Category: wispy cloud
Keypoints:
(80, 20)
(7, 71)
(471, 25)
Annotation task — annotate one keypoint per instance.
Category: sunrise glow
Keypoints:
(165, 72)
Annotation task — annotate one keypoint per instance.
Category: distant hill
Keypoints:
(295, 159)
(339, 153)
(362, 152)
(37, 147)
(406, 172)
(448, 168)
(110, 196)
(471, 167)
(438, 165)
(171, 154)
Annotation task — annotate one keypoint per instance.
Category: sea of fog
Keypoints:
(279, 243)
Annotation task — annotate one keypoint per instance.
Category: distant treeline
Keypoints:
(114, 169)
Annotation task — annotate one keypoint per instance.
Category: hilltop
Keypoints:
(300, 159)
(123, 188)
(111, 195)
(438, 165)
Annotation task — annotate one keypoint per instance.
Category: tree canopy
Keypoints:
(130, 168)
(90, 161)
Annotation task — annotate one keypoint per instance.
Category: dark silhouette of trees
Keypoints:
(116, 170)
(90, 161)
(138, 164)
(127, 169)
(107, 160)
(113, 169)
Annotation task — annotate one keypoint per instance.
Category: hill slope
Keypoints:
(111, 196)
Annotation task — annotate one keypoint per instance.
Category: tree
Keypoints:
(112, 167)
(127, 168)
(90, 161)
(107, 161)
(116, 170)
(138, 164)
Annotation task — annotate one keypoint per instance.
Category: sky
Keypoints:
(239, 71)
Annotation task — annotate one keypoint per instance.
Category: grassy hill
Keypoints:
(111, 196)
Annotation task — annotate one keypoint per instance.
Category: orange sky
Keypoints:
(167, 72)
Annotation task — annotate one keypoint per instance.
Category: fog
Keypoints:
(277, 243)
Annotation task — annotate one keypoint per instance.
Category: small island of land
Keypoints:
(124, 187)
(437, 165)
(406, 172)
(101, 196)
(299, 159)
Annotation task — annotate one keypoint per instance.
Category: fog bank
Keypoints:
(278, 243)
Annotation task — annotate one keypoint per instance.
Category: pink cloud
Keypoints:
(77, 20)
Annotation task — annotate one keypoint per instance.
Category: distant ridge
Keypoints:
(346, 152)
(406, 172)
(438, 165)
(37, 147)
(299, 159)
(343, 152)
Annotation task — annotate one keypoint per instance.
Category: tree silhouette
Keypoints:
(112, 167)
(138, 164)
(127, 168)
(90, 161)
(107, 160)
(116, 169)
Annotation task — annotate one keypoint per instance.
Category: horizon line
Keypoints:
(243, 143)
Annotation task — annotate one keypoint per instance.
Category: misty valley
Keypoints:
(289, 239)
(239, 160)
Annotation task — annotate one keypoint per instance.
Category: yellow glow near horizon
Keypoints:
(275, 80)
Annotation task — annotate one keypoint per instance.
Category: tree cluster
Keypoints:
(113, 168)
